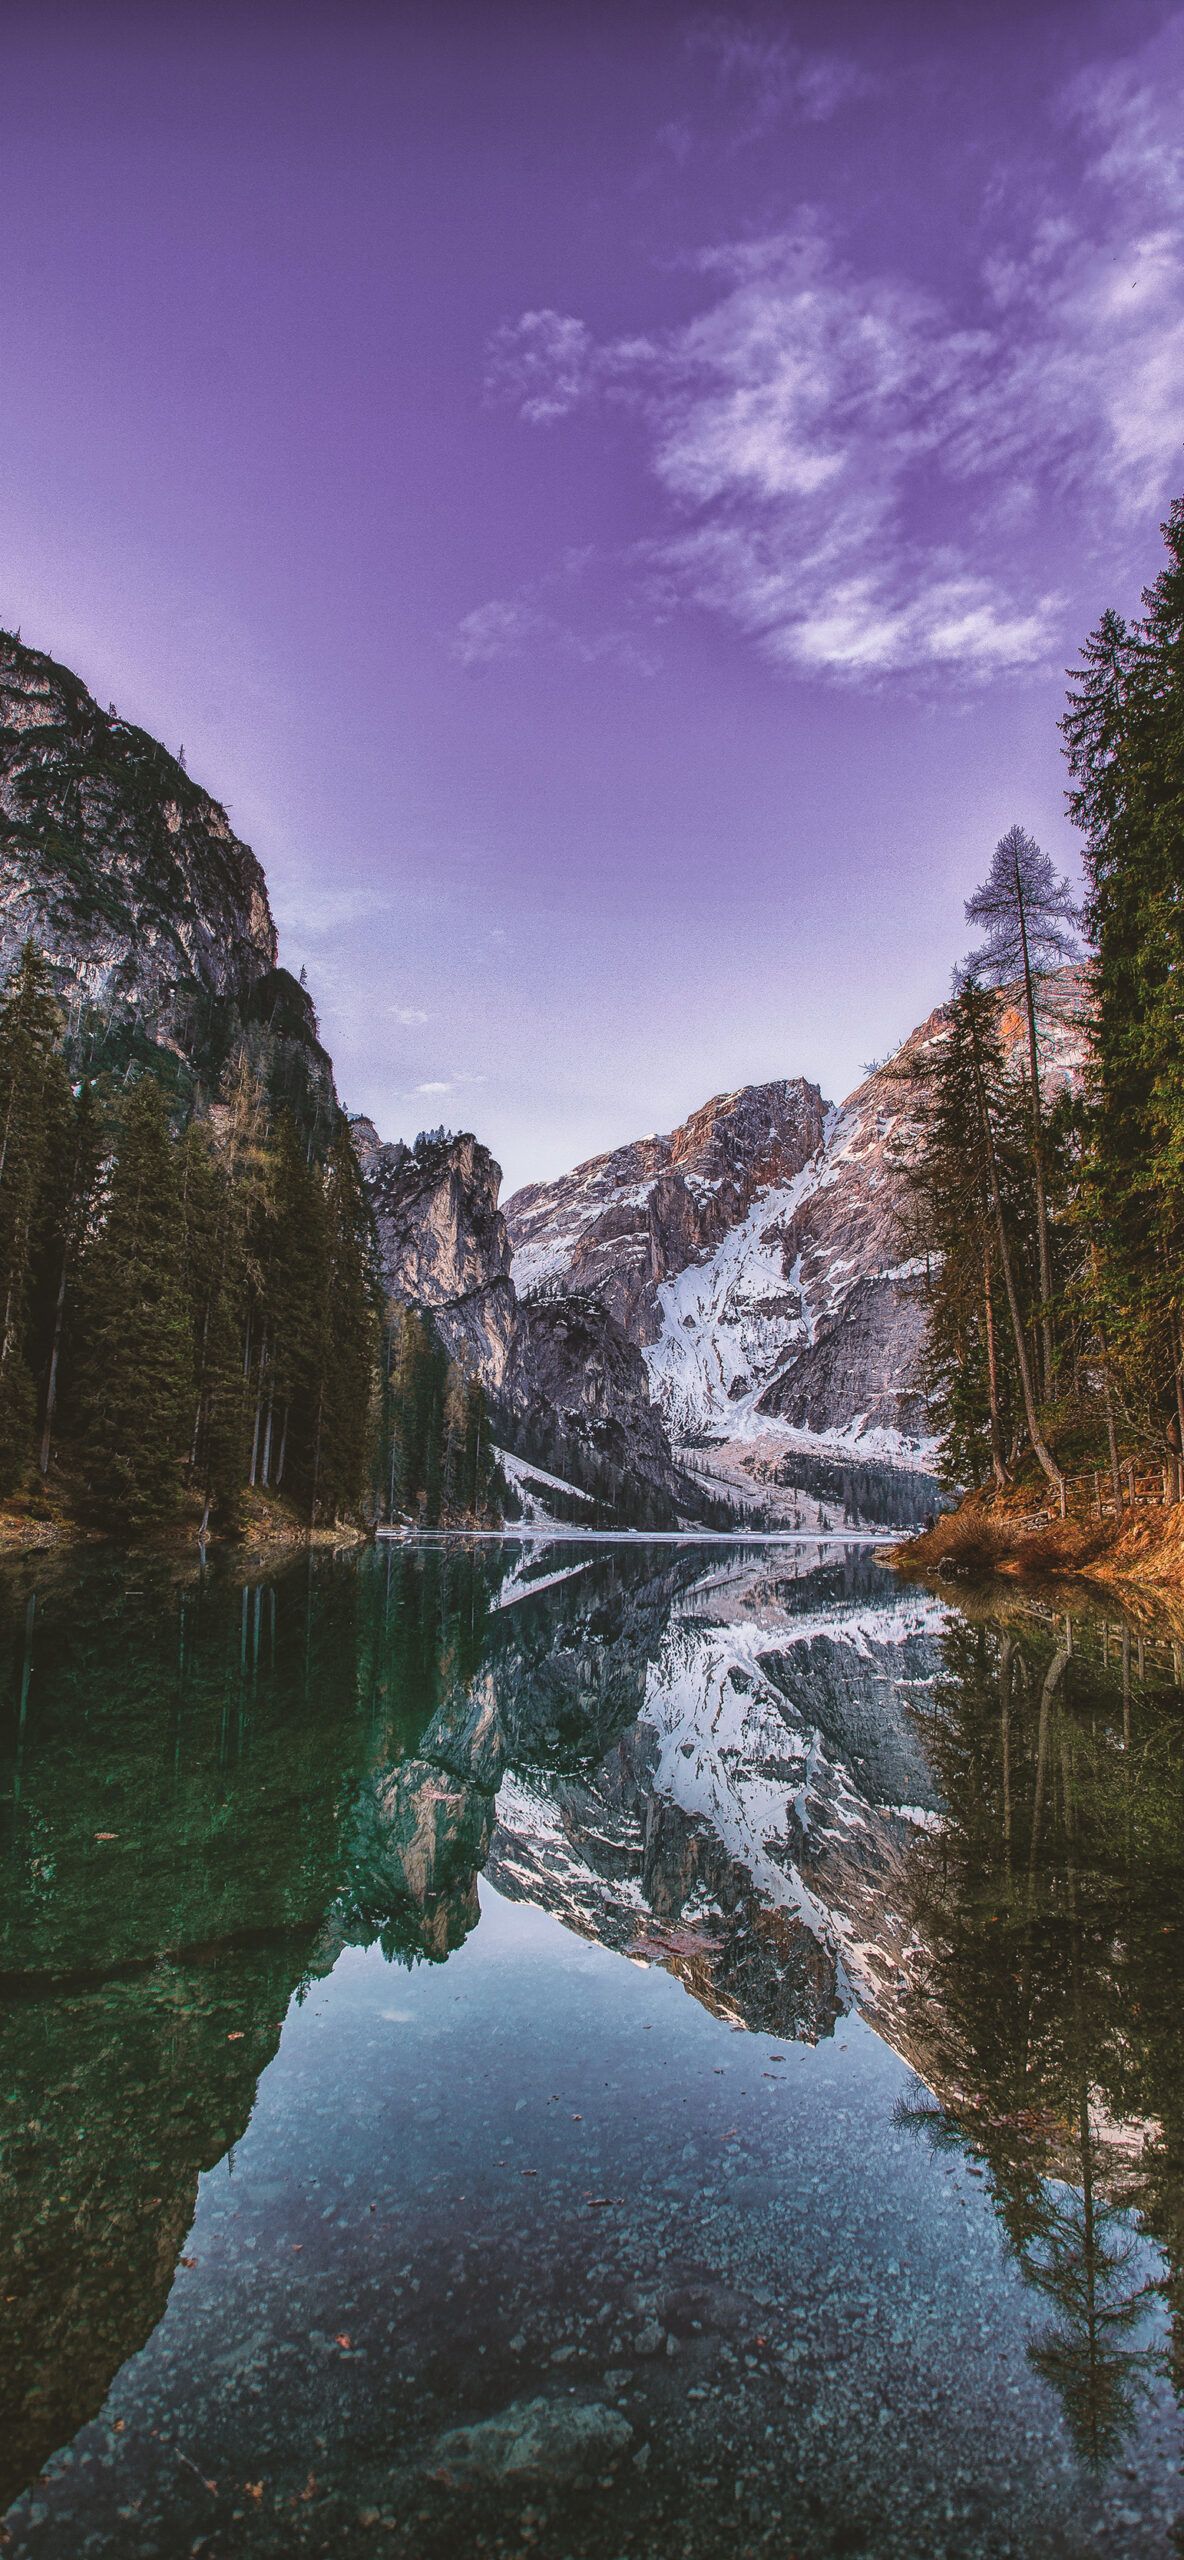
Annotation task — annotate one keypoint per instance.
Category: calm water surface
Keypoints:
(591, 2051)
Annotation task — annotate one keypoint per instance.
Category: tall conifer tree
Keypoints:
(139, 1333)
(1124, 738)
(35, 1115)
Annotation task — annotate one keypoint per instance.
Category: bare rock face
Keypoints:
(127, 874)
(624, 1223)
(443, 1242)
(863, 1370)
(576, 1366)
(566, 1367)
(152, 914)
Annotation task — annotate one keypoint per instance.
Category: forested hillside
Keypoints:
(192, 1304)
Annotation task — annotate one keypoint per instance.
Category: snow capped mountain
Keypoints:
(623, 1223)
(755, 1256)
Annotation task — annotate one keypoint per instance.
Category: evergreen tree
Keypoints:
(292, 1291)
(1029, 915)
(236, 1345)
(138, 1327)
(1124, 737)
(456, 1466)
(965, 1205)
(216, 1280)
(73, 1199)
(417, 1388)
(35, 1116)
(349, 1338)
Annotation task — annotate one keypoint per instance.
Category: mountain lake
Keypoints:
(587, 2048)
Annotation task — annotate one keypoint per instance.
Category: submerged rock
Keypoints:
(548, 2438)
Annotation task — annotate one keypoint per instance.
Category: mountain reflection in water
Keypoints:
(803, 1790)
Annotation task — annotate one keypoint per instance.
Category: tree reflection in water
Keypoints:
(1046, 2008)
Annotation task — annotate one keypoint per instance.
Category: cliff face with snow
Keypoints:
(755, 1255)
(626, 1223)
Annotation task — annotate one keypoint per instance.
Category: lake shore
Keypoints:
(1144, 1551)
(267, 1526)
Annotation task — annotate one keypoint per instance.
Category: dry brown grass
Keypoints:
(986, 1536)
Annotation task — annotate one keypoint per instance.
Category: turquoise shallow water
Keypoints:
(425, 2133)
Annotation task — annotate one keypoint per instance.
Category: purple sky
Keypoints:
(607, 498)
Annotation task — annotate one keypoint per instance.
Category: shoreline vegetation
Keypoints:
(985, 1536)
(32, 1524)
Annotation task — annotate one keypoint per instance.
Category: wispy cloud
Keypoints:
(508, 627)
(775, 78)
(856, 470)
(410, 1015)
(542, 363)
(317, 909)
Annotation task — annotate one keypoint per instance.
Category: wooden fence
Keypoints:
(1093, 1496)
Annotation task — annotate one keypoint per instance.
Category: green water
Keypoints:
(605, 2051)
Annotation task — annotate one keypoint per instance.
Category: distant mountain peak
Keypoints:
(754, 1255)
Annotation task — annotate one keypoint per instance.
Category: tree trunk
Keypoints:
(316, 1457)
(1179, 1365)
(998, 1469)
(1046, 1348)
(51, 1384)
(1040, 1449)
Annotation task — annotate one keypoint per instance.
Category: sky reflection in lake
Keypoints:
(687, 2057)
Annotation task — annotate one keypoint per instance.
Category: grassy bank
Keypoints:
(988, 1534)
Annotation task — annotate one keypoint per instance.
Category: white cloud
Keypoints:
(444, 1084)
(857, 471)
(316, 908)
(410, 1015)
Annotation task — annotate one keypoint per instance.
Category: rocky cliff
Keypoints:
(153, 914)
(755, 1257)
(126, 873)
(443, 1242)
(565, 1379)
